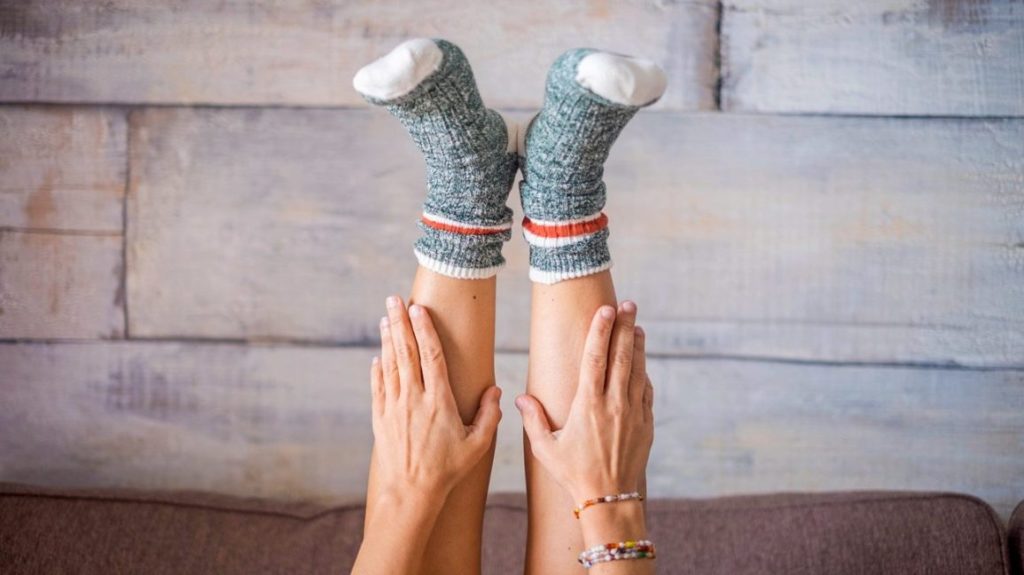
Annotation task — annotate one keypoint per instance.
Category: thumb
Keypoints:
(535, 422)
(485, 422)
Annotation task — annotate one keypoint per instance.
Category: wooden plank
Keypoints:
(62, 168)
(292, 423)
(60, 286)
(305, 53)
(879, 57)
(257, 224)
(836, 239)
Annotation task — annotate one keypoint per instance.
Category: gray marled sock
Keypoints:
(470, 168)
(562, 191)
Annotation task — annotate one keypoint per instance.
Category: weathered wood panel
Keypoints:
(60, 286)
(293, 423)
(840, 239)
(305, 53)
(877, 57)
(62, 168)
(264, 224)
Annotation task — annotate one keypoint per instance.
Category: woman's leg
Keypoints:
(590, 97)
(560, 318)
(471, 163)
(463, 313)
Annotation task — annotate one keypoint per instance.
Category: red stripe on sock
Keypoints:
(566, 230)
(459, 229)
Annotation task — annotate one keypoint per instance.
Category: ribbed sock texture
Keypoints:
(465, 218)
(562, 191)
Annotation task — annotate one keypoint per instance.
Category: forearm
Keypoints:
(396, 532)
(612, 523)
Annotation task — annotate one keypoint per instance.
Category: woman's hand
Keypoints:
(604, 445)
(421, 447)
(421, 444)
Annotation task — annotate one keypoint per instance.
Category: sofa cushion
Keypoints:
(106, 531)
(1017, 540)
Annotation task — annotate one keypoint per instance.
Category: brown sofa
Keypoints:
(852, 533)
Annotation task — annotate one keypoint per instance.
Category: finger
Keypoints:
(648, 401)
(377, 392)
(389, 368)
(407, 354)
(485, 422)
(620, 355)
(638, 377)
(432, 362)
(535, 423)
(594, 362)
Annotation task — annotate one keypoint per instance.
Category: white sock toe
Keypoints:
(621, 79)
(400, 71)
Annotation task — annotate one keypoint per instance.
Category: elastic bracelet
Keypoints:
(620, 551)
(607, 499)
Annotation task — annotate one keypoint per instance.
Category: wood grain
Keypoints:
(834, 239)
(305, 53)
(292, 423)
(876, 57)
(55, 286)
(62, 168)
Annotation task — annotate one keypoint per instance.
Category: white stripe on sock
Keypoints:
(453, 271)
(553, 277)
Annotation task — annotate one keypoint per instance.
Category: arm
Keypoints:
(422, 449)
(603, 447)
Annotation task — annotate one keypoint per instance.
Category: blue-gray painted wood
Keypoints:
(304, 53)
(293, 423)
(874, 57)
(824, 239)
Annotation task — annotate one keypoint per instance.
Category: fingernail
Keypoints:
(391, 302)
(607, 312)
(639, 331)
(499, 391)
(520, 402)
(415, 310)
(628, 307)
(383, 323)
(375, 360)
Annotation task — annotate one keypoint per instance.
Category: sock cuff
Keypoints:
(550, 277)
(553, 234)
(441, 223)
(454, 270)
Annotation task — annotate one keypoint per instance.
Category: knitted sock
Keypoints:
(590, 96)
(469, 149)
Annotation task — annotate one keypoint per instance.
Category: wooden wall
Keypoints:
(822, 222)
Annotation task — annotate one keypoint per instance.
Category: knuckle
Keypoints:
(405, 353)
(431, 354)
(623, 357)
(596, 359)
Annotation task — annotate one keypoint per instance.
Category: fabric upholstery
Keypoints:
(118, 531)
(1017, 540)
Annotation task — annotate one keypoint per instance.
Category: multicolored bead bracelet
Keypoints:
(620, 551)
(608, 499)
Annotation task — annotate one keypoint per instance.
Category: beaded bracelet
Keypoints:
(607, 499)
(620, 551)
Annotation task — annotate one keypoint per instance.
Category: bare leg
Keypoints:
(560, 317)
(463, 313)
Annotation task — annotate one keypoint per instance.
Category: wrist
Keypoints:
(394, 503)
(594, 490)
(608, 522)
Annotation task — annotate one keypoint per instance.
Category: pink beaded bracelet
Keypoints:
(608, 499)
